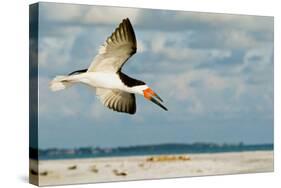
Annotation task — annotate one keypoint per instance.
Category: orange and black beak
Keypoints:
(153, 97)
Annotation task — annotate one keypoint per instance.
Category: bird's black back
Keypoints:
(128, 81)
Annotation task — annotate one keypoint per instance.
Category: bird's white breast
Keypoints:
(102, 80)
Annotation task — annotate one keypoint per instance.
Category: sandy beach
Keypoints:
(73, 171)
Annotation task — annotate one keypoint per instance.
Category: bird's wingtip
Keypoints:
(126, 19)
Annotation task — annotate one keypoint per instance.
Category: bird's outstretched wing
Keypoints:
(116, 50)
(117, 100)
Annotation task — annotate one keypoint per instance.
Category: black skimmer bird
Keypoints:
(115, 89)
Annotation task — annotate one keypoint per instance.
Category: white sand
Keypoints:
(73, 171)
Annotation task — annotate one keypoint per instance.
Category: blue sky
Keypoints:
(213, 71)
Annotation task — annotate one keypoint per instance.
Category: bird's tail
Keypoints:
(60, 83)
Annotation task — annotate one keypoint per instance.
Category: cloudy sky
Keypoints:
(213, 71)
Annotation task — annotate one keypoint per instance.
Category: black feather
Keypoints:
(128, 81)
(78, 72)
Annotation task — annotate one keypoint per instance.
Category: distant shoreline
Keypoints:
(159, 149)
(144, 155)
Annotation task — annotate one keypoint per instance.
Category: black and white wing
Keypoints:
(116, 50)
(117, 100)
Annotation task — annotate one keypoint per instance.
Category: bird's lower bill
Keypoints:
(153, 97)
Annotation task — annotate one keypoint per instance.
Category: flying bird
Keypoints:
(115, 89)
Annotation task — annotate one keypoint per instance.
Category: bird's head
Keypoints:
(150, 95)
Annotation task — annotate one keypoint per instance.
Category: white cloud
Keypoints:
(109, 15)
(61, 12)
(197, 91)
(55, 51)
(206, 92)
(238, 39)
(258, 59)
(65, 103)
(98, 111)
(240, 88)
(215, 82)
(81, 14)
(141, 46)
(176, 51)
(244, 22)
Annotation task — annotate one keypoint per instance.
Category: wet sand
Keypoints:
(73, 171)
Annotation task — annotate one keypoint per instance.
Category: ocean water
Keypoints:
(92, 152)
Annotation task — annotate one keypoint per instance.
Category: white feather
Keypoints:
(59, 83)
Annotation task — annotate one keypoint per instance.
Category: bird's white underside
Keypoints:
(105, 80)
